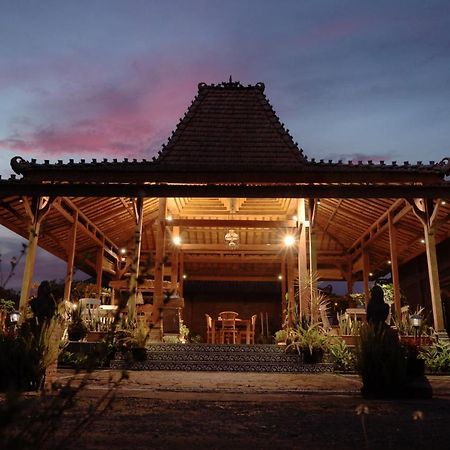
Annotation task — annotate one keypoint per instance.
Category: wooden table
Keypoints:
(241, 324)
(357, 313)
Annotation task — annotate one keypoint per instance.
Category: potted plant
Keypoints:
(137, 339)
(309, 341)
(280, 337)
(409, 334)
(184, 333)
(348, 329)
(76, 329)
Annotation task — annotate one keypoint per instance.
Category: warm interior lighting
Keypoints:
(123, 251)
(289, 240)
(295, 218)
(169, 218)
(176, 240)
(280, 277)
(306, 223)
(389, 261)
(184, 276)
(370, 274)
(422, 241)
(443, 202)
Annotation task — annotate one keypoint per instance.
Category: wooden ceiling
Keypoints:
(341, 225)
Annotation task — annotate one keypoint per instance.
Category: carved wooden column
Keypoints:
(174, 263)
(36, 212)
(71, 248)
(426, 210)
(394, 266)
(313, 274)
(158, 295)
(136, 256)
(284, 305)
(302, 258)
(290, 261)
(181, 278)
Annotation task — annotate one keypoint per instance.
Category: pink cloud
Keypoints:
(131, 117)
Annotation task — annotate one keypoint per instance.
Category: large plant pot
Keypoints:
(76, 334)
(139, 353)
(95, 336)
(349, 339)
(315, 357)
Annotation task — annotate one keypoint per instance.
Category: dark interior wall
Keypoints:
(246, 298)
(415, 285)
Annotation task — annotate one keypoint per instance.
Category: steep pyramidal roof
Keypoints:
(231, 125)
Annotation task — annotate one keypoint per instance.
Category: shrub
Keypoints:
(381, 362)
(437, 357)
(341, 356)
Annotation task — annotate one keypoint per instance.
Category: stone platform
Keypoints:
(218, 358)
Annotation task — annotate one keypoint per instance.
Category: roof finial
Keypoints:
(231, 80)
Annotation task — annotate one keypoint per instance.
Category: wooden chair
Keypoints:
(249, 334)
(228, 331)
(325, 321)
(209, 330)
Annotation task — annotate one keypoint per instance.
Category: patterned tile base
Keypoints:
(211, 357)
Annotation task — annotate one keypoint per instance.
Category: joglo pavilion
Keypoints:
(207, 219)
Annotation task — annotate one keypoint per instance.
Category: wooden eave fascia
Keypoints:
(300, 174)
(328, 190)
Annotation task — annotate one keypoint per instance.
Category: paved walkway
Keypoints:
(231, 386)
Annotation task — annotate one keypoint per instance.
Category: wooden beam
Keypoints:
(256, 278)
(397, 210)
(228, 223)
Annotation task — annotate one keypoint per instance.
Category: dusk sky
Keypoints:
(110, 79)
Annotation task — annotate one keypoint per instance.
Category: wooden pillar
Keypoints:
(426, 211)
(136, 256)
(33, 236)
(348, 274)
(433, 277)
(366, 271)
(291, 304)
(36, 213)
(71, 247)
(181, 278)
(283, 290)
(99, 268)
(175, 259)
(158, 296)
(394, 266)
(303, 278)
(313, 274)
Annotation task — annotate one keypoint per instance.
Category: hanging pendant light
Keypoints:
(232, 239)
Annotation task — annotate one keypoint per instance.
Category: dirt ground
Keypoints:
(200, 410)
